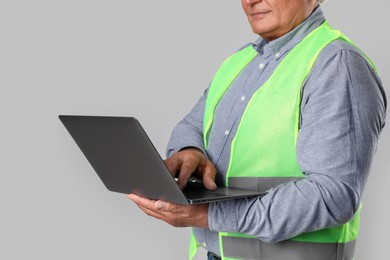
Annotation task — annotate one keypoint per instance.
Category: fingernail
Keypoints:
(159, 205)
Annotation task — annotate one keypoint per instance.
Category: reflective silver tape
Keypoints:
(260, 183)
(250, 249)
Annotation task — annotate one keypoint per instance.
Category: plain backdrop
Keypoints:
(149, 59)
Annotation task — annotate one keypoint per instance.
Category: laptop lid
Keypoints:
(125, 159)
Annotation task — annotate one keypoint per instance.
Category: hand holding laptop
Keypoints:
(177, 215)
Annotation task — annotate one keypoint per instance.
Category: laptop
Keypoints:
(125, 159)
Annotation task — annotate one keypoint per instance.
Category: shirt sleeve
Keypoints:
(189, 131)
(342, 114)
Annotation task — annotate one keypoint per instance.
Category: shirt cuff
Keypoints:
(221, 218)
(182, 143)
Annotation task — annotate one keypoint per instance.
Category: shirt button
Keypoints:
(277, 55)
(242, 98)
(227, 132)
(261, 66)
(204, 244)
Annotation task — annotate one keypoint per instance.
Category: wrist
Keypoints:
(204, 215)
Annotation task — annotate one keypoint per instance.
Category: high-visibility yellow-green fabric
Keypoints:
(265, 143)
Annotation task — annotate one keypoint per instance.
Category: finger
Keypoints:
(186, 171)
(208, 176)
(152, 213)
(152, 205)
(160, 205)
(147, 206)
(140, 201)
(173, 165)
(209, 183)
(162, 211)
(163, 206)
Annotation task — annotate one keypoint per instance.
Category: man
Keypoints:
(297, 113)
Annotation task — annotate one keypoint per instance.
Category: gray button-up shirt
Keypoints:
(342, 114)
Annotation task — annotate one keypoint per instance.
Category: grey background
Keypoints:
(149, 59)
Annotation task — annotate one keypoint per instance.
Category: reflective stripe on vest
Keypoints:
(263, 152)
(261, 184)
(247, 248)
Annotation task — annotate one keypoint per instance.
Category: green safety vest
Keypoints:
(263, 151)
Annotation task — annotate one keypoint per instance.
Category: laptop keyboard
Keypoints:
(202, 193)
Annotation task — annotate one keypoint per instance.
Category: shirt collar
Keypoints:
(280, 46)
